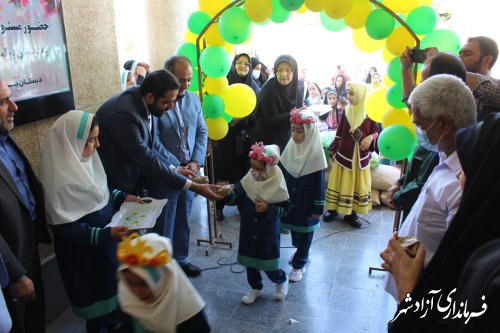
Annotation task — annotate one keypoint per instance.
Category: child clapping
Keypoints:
(262, 199)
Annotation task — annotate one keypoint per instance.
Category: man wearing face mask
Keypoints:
(403, 194)
(130, 150)
(441, 105)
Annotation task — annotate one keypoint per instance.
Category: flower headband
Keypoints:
(297, 117)
(132, 250)
(260, 153)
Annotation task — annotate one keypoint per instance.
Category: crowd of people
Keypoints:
(151, 140)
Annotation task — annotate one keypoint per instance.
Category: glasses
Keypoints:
(243, 63)
(185, 80)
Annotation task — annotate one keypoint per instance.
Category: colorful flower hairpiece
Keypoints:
(259, 152)
(134, 254)
(296, 118)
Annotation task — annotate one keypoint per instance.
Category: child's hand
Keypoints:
(366, 142)
(119, 232)
(261, 206)
(133, 198)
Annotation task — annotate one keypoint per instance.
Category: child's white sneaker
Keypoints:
(296, 274)
(251, 296)
(281, 290)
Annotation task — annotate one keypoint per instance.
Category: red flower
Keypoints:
(132, 259)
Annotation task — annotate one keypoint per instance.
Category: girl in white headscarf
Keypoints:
(154, 290)
(262, 199)
(303, 163)
(79, 206)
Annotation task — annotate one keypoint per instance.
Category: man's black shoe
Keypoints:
(329, 215)
(353, 220)
(191, 270)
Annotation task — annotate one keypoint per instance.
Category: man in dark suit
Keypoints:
(131, 151)
(184, 134)
(22, 226)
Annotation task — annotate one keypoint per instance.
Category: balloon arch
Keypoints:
(390, 25)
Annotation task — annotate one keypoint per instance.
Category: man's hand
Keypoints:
(186, 172)
(193, 166)
(405, 58)
(22, 289)
(390, 194)
(206, 190)
(261, 206)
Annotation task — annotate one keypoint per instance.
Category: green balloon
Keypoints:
(279, 14)
(215, 61)
(396, 142)
(213, 106)
(379, 24)
(331, 24)
(234, 25)
(227, 117)
(195, 84)
(422, 20)
(188, 50)
(394, 70)
(394, 96)
(197, 21)
(444, 40)
(291, 5)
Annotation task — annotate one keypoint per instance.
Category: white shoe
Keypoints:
(296, 274)
(281, 290)
(251, 296)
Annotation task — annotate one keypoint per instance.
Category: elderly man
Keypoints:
(22, 226)
(130, 150)
(440, 105)
(184, 134)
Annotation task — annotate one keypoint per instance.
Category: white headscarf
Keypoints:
(273, 188)
(73, 187)
(176, 300)
(307, 157)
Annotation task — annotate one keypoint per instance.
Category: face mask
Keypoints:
(256, 74)
(423, 138)
(258, 175)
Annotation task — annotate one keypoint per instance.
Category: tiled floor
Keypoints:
(336, 294)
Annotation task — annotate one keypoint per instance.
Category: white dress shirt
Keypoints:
(433, 211)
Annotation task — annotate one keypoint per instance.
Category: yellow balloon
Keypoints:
(377, 105)
(388, 56)
(212, 7)
(259, 10)
(239, 100)
(230, 49)
(426, 3)
(365, 42)
(215, 85)
(356, 18)
(315, 5)
(411, 126)
(398, 40)
(189, 37)
(402, 6)
(395, 117)
(302, 9)
(387, 81)
(217, 128)
(212, 36)
(337, 9)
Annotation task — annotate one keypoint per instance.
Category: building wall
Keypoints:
(93, 57)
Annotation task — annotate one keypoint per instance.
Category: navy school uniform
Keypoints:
(259, 242)
(307, 197)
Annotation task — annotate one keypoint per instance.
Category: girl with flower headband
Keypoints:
(153, 289)
(349, 186)
(78, 206)
(262, 199)
(303, 163)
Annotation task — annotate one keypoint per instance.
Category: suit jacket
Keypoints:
(19, 235)
(197, 133)
(129, 149)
